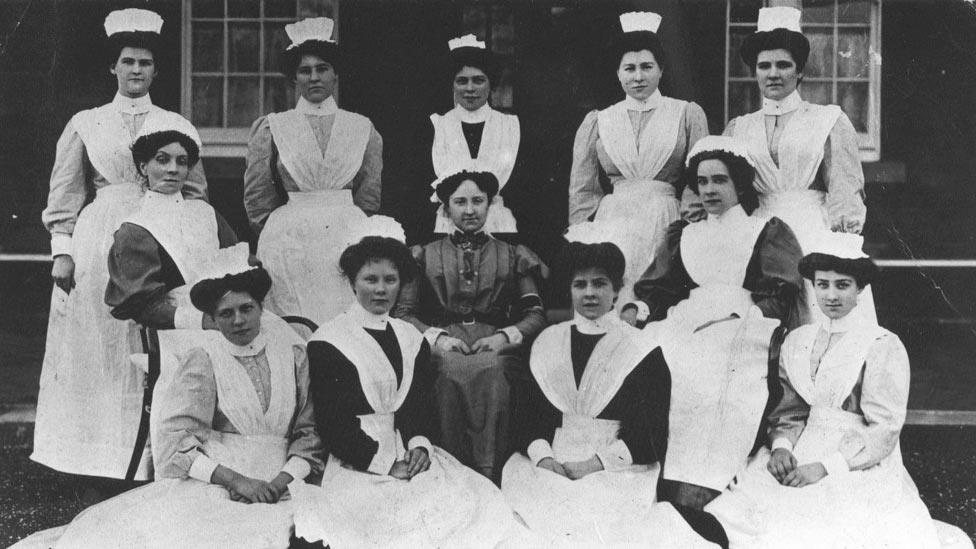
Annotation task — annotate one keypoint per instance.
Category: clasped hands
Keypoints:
(494, 342)
(573, 470)
(250, 490)
(783, 466)
(414, 462)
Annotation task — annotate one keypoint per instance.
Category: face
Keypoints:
(167, 169)
(639, 74)
(315, 78)
(776, 73)
(715, 187)
(593, 293)
(238, 317)
(468, 207)
(836, 293)
(377, 286)
(135, 69)
(471, 88)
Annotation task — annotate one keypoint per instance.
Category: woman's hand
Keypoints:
(488, 344)
(279, 485)
(448, 344)
(781, 463)
(63, 272)
(804, 475)
(253, 490)
(551, 464)
(400, 470)
(629, 315)
(579, 469)
(417, 461)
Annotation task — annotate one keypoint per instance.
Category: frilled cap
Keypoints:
(842, 253)
(637, 21)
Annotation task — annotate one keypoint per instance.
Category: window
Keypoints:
(844, 66)
(230, 73)
(495, 25)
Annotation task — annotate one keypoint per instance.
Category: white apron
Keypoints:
(446, 506)
(90, 397)
(497, 154)
(602, 508)
(303, 239)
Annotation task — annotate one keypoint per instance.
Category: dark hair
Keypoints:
(606, 256)
(478, 58)
(206, 294)
(148, 145)
(373, 248)
(740, 171)
(326, 51)
(136, 39)
(486, 181)
(862, 269)
(776, 39)
(635, 41)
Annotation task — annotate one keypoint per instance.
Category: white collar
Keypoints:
(473, 117)
(840, 325)
(733, 215)
(157, 199)
(784, 106)
(326, 107)
(253, 348)
(366, 319)
(643, 106)
(594, 327)
(132, 105)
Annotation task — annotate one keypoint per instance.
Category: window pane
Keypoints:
(208, 108)
(853, 99)
(275, 42)
(208, 8)
(821, 62)
(744, 11)
(818, 11)
(502, 30)
(279, 8)
(854, 11)
(277, 95)
(474, 20)
(816, 92)
(743, 98)
(503, 95)
(243, 101)
(316, 8)
(244, 8)
(208, 45)
(242, 48)
(853, 53)
(736, 66)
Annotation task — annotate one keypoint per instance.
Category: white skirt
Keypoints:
(90, 399)
(300, 247)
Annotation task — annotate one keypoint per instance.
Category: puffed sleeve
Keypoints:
(196, 183)
(665, 282)
(408, 304)
(68, 190)
(696, 124)
(531, 273)
(260, 195)
(773, 275)
(585, 192)
(789, 417)
(417, 417)
(185, 408)
(844, 178)
(367, 186)
(136, 288)
(730, 127)
(304, 442)
(884, 401)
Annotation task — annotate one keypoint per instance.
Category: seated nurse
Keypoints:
(835, 476)
(386, 483)
(595, 423)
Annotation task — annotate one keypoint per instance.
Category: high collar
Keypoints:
(254, 348)
(643, 106)
(325, 108)
(132, 105)
(473, 117)
(840, 325)
(733, 215)
(366, 319)
(784, 106)
(155, 199)
(465, 240)
(594, 327)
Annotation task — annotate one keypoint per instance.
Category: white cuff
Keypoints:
(783, 443)
(60, 244)
(203, 468)
(513, 334)
(835, 464)
(188, 318)
(643, 311)
(297, 467)
(616, 457)
(431, 334)
(421, 442)
(539, 450)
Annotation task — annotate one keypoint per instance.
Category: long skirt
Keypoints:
(300, 247)
(90, 399)
(448, 505)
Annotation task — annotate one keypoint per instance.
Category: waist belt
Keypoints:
(490, 318)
